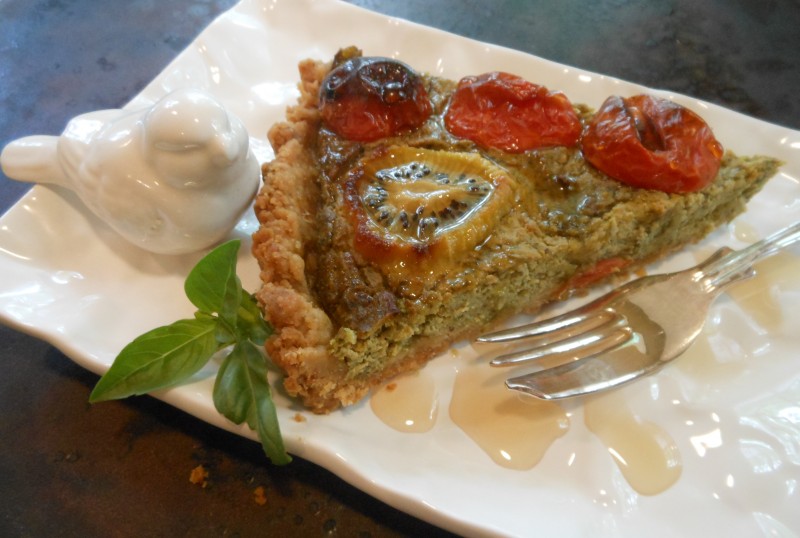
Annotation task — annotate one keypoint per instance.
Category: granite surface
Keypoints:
(122, 468)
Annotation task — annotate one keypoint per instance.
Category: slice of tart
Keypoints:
(403, 212)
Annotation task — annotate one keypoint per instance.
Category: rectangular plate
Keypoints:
(732, 419)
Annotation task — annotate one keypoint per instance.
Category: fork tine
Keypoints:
(588, 375)
(571, 379)
(566, 321)
(589, 344)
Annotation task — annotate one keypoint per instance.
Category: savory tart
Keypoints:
(403, 212)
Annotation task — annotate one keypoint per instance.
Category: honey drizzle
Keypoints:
(646, 455)
(754, 296)
(513, 429)
(407, 404)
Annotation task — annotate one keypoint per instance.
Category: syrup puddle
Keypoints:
(647, 456)
(754, 296)
(513, 429)
(407, 404)
(758, 298)
(700, 361)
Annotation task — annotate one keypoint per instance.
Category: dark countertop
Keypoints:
(122, 468)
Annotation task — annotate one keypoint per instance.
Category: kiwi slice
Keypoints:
(413, 205)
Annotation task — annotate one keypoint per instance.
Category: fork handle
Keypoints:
(717, 272)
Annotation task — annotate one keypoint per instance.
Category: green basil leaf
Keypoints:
(228, 395)
(159, 358)
(212, 286)
(242, 394)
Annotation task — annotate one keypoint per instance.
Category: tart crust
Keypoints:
(344, 324)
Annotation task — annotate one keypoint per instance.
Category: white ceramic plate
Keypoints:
(735, 422)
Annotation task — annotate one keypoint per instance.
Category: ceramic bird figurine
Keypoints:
(172, 178)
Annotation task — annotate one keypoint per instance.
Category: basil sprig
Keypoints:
(227, 317)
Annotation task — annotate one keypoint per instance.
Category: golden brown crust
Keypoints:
(285, 208)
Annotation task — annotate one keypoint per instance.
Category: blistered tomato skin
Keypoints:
(506, 112)
(369, 98)
(653, 143)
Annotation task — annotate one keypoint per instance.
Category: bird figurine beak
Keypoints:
(225, 149)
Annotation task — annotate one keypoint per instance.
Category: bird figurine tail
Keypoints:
(33, 159)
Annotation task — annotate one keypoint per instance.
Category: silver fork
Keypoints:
(631, 331)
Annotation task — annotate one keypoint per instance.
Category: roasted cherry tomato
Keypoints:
(506, 112)
(653, 143)
(368, 98)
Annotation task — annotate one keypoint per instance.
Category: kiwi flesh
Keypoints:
(416, 205)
